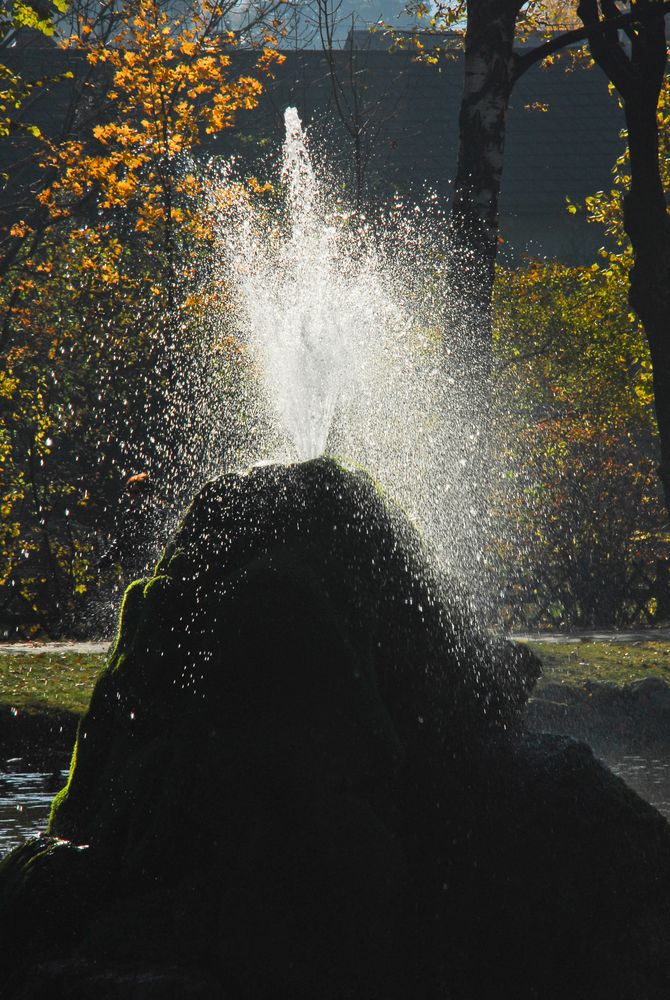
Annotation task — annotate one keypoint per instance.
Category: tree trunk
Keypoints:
(489, 77)
(647, 224)
(637, 70)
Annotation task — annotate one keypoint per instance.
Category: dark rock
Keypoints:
(303, 775)
(67, 981)
(609, 716)
(566, 877)
(652, 691)
(563, 694)
(40, 736)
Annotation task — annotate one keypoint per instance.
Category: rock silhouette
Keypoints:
(303, 774)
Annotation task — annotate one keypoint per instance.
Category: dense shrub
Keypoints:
(584, 522)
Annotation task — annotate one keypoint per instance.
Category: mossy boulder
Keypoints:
(292, 600)
(294, 774)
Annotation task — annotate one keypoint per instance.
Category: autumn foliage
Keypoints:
(584, 521)
(100, 316)
(169, 83)
(97, 302)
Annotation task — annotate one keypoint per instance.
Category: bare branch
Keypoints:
(589, 32)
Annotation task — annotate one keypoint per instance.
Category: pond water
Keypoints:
(25, 796)
(25, 800)
(649, 776)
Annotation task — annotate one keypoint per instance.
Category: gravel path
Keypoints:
(35, 648)
(602, 635)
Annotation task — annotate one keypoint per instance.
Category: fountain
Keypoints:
(303, 772)
(347, 328)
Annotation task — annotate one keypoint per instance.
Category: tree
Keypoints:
(97, 308)
(14, 91)
(169, 85)
(91, 35)
(491, 69)
(170, 82)
(65, 389)
(635, 64)
(361, 115)
(581, 517)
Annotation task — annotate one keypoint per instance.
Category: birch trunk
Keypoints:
(489, 77)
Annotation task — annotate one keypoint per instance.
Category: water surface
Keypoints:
(648, 776)
(25, 800)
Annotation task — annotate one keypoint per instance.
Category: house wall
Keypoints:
(565, 152)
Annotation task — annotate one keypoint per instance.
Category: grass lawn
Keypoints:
(30, 682)
(576, 662)
(34, 681)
